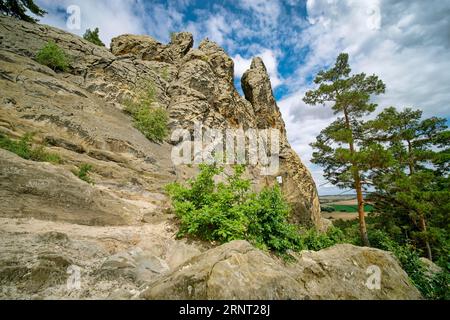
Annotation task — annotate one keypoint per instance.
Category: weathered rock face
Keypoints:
(297, 186)
(194, 85)
(119, 232)
(146, 48)
(239, 271)
(46, 192)
(38, 259)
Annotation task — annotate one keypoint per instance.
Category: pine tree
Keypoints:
(18, 9)
(414, 189)
(339, 148)
(93, 36)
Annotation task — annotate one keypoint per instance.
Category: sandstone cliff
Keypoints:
(120, 232)
(194, 85)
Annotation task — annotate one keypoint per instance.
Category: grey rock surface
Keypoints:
(238, 271)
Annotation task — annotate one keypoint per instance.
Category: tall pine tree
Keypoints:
(339, 148)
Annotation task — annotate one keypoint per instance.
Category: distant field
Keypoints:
(342, 207)
(349, 208)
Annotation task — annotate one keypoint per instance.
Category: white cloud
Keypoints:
(217, 29)
(267, 12)
(113, 17)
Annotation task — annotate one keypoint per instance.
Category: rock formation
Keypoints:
(119, 232)
(239, 271)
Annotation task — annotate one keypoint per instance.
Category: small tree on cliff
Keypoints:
(18, 9)
(340, 148)
(93, 36)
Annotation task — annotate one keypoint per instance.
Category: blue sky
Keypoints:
(405, 42)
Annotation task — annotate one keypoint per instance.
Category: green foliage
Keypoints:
(314, 240)
(341, 148)
(83, 173)
(412, 194)
(229, 211)
(93, 37)
(431, 286)
(151, 121)
(53, 57)
(24, 149)
(18, 9)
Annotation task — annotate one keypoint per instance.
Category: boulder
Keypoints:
(239, 271)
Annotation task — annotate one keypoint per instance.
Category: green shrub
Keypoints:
(83, 173)
(53, 57)
(230, 211)
(24, 149)
(93, 37)
(314, 240)
(151, 121)
(431, 286)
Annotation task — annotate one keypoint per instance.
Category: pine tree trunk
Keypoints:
(358, 187)
(423, 225)
(361, 213)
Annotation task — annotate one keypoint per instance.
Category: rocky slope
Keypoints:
(120, 232)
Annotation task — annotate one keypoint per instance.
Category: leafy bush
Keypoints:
(431, 286)
(53, 57)
(24, 149)
(314, 240)
(93, 37)
(83, 173)
(229, 211)
(151, 121)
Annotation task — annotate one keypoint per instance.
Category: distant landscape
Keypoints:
(343, 207)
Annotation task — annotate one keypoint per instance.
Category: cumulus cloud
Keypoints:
(113, 17)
